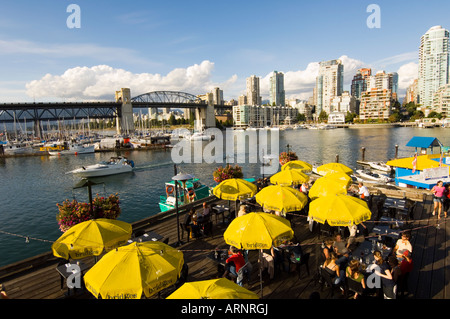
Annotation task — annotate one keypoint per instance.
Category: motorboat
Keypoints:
(200, 136)
(188, 191)
(367, 175)
(379, 166)
(116, 165)
(73, 149)
(17, 148)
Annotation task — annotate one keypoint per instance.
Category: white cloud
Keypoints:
(407, 73)
(101, 81)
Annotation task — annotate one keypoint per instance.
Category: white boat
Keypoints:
(379, 166)
(367, 175)
(74, 149)
(116, 165)
(17, 148)
(200, 136)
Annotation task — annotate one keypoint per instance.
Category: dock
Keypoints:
(37, 278)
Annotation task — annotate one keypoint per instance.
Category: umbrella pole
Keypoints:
(179, 243)
(260, 273)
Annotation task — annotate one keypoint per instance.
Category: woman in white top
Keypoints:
(402, 245)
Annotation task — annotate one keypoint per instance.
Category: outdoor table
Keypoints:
(392, 221)
(65, 273)
(365, 254)
(219, 256)
(148, 236)
(385, 230)
(220, 210)
(397, 205)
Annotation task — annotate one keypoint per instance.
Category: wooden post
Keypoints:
(363, 149)
(337, 158)
(396, 151)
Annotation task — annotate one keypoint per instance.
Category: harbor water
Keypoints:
(32, 186)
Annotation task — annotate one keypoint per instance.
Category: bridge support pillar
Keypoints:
(206, 116)
(124, 120)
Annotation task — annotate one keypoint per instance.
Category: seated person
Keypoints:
(234, 262)
(327, 249)
(243, 210)
(341, 250)
(189, 221)
(332, 268)
(205, 215)
(353, 273)
(402, 245)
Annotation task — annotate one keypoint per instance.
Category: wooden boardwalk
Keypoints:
(429, 279)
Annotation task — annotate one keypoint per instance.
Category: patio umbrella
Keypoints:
(258, 231)
(339, 210)
(340, 177)
(281, 198)
(333, 168)
(324, 186)
(234, 189)
(297, 164)
(91, 238)
(289, 177)
(212, 289)
(129, 271)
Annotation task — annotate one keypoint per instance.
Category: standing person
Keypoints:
(363, 191)
(438, 198)
(446, 205)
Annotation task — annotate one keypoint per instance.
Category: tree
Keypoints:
(301, 118)
(349, 117)
(323, 116)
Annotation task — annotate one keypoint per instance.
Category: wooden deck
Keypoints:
(429, 279)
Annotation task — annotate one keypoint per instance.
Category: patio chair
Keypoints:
(353, 285)
(244, 273)
(329, 280)
(184, 227)
(304, 261)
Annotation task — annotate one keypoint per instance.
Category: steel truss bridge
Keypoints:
(54, 111)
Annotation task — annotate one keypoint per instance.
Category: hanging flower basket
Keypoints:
(74, 212)
(287, 157)
(227, 172)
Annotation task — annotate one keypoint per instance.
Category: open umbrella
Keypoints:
(339, 210)
(324, 186)
(333, 168)
(258, 231)
(129, 271)
(281, 198)
(297, 164)
(212, 289)
(91, 238)
(234, 189)
(289, 177)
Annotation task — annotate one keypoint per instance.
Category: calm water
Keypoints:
(31, 186)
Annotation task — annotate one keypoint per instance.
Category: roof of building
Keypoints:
(423, 162)
(424, 142)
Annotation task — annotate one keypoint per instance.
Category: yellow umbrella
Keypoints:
(333, 168)
(297, 164)
(340, 177)
(258, 231)
(234, 189)
(212, 289)
(339, 210)
(324, 186)
(281, 198)
(289, 177)
(91, 237)
(129, 271)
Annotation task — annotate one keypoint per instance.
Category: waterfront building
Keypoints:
(433, 63)
(329, 83)
(344, 103)
(253, 92)
(336, 118)
(277, 93)
(376, 103)
(359, 83)
(385, 81)
(262, 115)
(441, 101)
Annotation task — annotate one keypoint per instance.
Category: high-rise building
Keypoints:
(359, 83)
(385, 81)
(329, 83)
(217, 96)
(433, 63)
(253, 94)
(411, 93)
(277, 94)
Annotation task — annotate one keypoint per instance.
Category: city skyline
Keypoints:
(195, 47)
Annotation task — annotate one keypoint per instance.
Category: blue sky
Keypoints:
(195, 45)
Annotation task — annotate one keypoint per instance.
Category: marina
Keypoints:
(140, 200)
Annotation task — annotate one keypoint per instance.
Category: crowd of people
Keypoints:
(393, 271)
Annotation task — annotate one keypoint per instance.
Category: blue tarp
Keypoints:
(424, 142)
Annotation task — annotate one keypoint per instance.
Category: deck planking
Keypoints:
(428, 280)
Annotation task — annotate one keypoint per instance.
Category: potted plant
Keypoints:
(287, 157)
(73, 212)
(229, 171)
